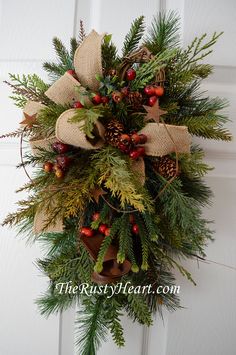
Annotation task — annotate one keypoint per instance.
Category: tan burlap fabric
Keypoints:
(138, 167)
(71, 133)
(166, 139)
(40, 221)
(88, 60)
(63, 90)
(32, 107)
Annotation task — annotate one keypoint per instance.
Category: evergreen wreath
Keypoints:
(118, 189)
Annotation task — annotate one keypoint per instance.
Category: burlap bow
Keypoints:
(162, 139)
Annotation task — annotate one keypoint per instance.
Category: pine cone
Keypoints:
(166, 167)
(113, 131)
(135, 99)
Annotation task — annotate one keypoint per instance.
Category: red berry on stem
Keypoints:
(88, 232)
(124, 148)
(48, 166)
(71, 72)
(159, 91)
(102, 228)
(60, 148)
(143, 138)
(107, 232)
(105, 100)
(141, 151)
(78, 104)
(97, 99)
(135, 229)
(152, 100)
(134, 154)
(130, 74)
(149, 90)
(63, 161)
(135, 138)
(96, 216)
(125, 138)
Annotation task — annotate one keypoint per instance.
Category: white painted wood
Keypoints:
(26, 31)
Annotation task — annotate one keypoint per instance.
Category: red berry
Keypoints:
(124, 148)
(71, 72)
(125, 138)
(97, 99)
(86, 231)
(60, 148)
(143, 138)
(130, 74)
(135, 229)
(135, 138)
(125, 91)
(48, 166)
(107, 232)
(78, 104)
(105, 100)
(131, 218)
(149, 90)
(96, 216)
(63, 161)
(159, 91)
(134, 154)
(141, 151)
(102, 228)
(152, 100)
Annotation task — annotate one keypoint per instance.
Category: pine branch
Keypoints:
(82, 33)
(134, 36)
(163, 33)
(92, 327)
(137, 309)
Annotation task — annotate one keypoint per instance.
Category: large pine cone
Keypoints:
(135, 99)
(166, 167)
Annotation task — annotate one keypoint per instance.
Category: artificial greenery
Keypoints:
(167, 213)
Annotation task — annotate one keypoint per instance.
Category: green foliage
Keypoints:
(64, 60)
(27, 87)
(110, 58)
(92, 326)
(138, 309)
(88, 117)
(124, 237)
(146, 72)
(163, 33)
(117, 176)
(134, 36)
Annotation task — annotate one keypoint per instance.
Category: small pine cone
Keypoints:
(166, 167)
(113, 131)
(135, 99)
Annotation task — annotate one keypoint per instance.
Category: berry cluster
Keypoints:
(62, 160)
(104, 229)
(129, 144)
(153, 92)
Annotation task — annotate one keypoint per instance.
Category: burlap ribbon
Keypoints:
(162, 139)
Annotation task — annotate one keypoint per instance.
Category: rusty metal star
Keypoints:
(29, 120)
(154, 112)
(96, 193)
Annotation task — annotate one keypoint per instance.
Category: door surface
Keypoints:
(207, 323)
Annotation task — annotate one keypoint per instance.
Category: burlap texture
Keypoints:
(41, 143)
(40, 220)
(71, 133)
(88, 60)
(63, 90)
(138, 167)
(166, 139)
(33, 107)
